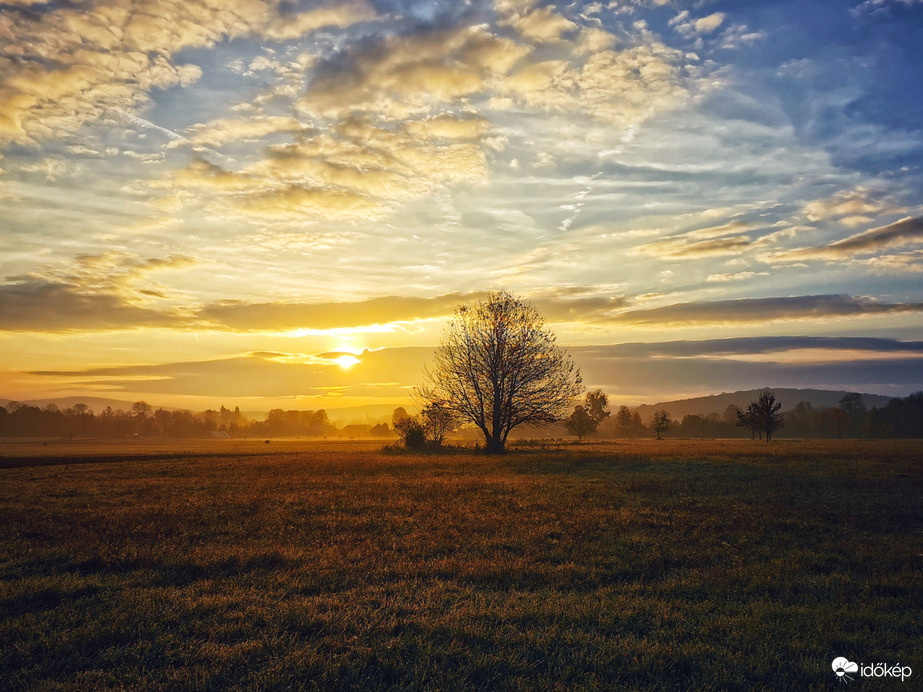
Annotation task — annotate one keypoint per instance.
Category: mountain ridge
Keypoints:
(789, 397)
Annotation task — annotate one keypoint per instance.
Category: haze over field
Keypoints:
(279, 204)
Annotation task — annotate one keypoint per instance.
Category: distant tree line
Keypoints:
(22, 421)
(900, 418)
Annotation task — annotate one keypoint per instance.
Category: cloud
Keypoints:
(687, 26)
(340, 14)
(758, 345)
(848, 207)
(227, 130)
(354, 171)
(623, 88)
(903, 232)
(72, 65)
(556, 307)
(762, 310)
(873, 7)
(737, 276)
(409, 76)
(907, 231)
(291, 316)
(37, 305)
(634, 371)
(682, 249)
(713, 241)
(112, 290)
(540, 25)
(264, 375)
(705, 25)
(643, 379)
(895, 264)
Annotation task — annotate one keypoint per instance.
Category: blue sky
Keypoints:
(249, 187)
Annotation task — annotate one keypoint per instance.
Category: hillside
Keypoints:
(717, 403)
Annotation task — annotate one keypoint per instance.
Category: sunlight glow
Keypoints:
(346, 362)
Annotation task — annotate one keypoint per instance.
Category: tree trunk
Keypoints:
(495, 444)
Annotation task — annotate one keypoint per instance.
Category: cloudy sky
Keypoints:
(217, 201)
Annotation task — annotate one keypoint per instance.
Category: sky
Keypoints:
(280, 204)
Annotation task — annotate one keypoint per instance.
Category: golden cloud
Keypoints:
(405, 76)
(848, 207)
(76, 63)
(218, 132)
(355, 171)
(683, 248)
(907, 231)
(540, 25)
(761, 310)
(118, 276)
(624, 88)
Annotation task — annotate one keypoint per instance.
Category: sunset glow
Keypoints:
(346, 362)
(204, 200)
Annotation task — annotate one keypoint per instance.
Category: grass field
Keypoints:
(706, 565)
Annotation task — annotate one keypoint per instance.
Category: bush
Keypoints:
(411, 431)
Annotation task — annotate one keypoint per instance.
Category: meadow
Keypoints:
(641, 565)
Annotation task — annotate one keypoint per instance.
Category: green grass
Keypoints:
(621, 566)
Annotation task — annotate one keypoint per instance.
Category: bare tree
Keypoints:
(767, 413)
(498, 367)
(660, 423)
(747, 419)
(438, 421)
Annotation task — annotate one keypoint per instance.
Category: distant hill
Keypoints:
(789, 398)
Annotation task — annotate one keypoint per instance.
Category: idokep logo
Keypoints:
(843, 667)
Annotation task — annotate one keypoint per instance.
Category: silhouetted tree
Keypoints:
(586, 419)
(853, 407)
(766, 413)
(399, 414)
(660, 423)
(748, 419)
(730, 414)
(597, 406)
(804, 420)
(580, 423)
(623, 419)
(141, 409)
(438, 420)
(411, 431)
(498, 367)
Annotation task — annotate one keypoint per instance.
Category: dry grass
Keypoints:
(636, 565)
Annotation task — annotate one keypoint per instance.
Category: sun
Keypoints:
(346, 362)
